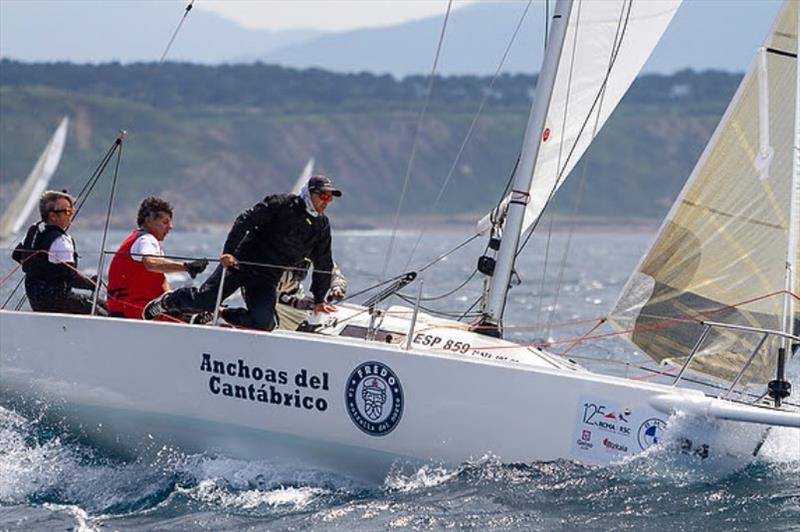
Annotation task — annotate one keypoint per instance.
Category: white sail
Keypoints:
(304, 176)
(721, 253)
(607, 44)
(23, 204)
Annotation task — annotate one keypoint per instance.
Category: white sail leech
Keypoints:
(722, 256)
(792, 276)
(607, 44)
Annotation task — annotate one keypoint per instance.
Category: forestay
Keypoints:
(723, 247)
(606, 45)
(20, 208)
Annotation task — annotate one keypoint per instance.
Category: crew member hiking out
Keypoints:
(50, 261)
(136, 274)
(274, 235)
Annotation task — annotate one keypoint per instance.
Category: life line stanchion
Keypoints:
(219, 295)
(410, 337)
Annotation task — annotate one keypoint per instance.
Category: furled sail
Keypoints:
(606, 45)
(23, 204)
(721, 253)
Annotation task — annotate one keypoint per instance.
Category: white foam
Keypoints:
(783, 447)
(425, 477)
(24, 467)
(83, 522)
(219, 494)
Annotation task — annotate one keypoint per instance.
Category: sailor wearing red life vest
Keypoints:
(136, 274)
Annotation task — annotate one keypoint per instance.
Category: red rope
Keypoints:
(590, 331)
(661, 325)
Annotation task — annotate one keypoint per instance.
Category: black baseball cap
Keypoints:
(322, 183)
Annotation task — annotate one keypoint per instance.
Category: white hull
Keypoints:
(137, 386)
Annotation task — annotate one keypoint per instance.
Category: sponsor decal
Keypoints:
(605, 430)
(614, 446)
(585, 441)
(374, 398)
(303, 389)
(650, 432)
(604, 418)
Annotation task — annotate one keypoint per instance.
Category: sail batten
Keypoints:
(721, 253)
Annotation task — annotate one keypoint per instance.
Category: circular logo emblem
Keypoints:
(374, 398)
(650, 432)
(546, 134)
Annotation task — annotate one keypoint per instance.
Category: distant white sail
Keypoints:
(26, 200)
(724, 244)
(607, 44)
(304, 176)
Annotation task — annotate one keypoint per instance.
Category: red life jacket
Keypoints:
(130, 285)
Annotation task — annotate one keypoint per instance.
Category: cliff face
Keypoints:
(213, 153)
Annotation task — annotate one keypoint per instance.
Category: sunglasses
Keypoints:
(69, 212)
(325, 196)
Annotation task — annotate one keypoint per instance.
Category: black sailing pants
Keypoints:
(259, 297)
(43, 298)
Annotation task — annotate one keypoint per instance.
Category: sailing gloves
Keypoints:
(195, 267)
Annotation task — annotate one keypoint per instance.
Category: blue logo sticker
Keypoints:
(650, 432)
(374, 398)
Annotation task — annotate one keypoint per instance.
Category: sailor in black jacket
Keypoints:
(50, 262)
(276, 234)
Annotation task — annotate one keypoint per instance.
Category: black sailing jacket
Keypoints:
(279, 231)
(42, 277)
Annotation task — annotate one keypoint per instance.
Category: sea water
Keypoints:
(48, 480)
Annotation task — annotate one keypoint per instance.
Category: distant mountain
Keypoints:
(215, 139)
(705, 34)
(90, 31)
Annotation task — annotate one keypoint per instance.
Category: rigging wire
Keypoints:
(446, 254)
(82, 196)
(560, 150)
(468, 135)
(466, 313)
(177, 29)
(544, 268)
(461, 285)
(597, 99)
(446, 314)
(621, 24)
(415, 144)
(111, 195)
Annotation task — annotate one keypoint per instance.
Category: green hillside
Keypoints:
(216, 139)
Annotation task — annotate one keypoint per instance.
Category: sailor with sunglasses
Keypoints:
(50, 262)
(273, 236)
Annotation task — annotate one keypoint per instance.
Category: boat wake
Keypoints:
(50, 478)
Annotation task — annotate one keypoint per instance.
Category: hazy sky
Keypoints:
(324, 14)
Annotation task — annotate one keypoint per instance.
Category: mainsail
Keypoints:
(606, 45)
(721, 253)
(20, 208)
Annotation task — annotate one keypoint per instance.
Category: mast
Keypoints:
(534, 135)
(780, 388)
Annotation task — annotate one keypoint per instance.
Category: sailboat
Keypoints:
(20, 208)
(372, 386)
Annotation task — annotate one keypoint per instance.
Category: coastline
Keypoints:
(460, 223)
